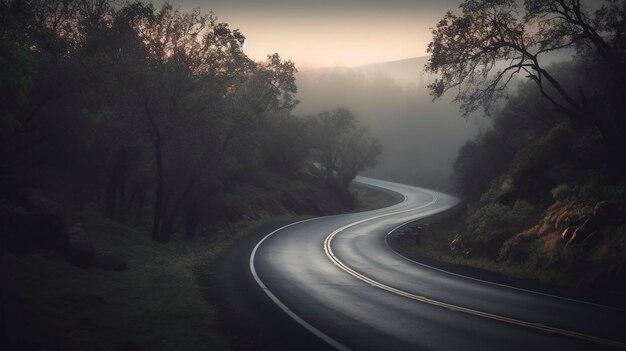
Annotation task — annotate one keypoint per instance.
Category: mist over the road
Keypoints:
(420, 138)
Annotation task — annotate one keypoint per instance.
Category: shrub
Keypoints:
(491, 225)
(561, 192)
(518, 247)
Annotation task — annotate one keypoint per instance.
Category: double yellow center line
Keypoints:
(548, 329)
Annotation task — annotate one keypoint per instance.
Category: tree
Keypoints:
(480, 51)
(342, 148)
(185, 88)
(358, 151)
(327, 128)
(178, 90)
(139, 107)
(36, 37)
(286, 143)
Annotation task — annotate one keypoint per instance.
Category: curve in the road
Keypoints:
(299, 275)
(372, 282)
(334, 343)
(490, 282)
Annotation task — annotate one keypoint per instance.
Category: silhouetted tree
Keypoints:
(281, 130)
(150, 108)
(358, 151)
(479, 51)
(341, 147)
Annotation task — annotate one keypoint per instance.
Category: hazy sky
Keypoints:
(330, 32)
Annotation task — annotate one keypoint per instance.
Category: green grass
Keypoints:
(370, 199)
(155, 304)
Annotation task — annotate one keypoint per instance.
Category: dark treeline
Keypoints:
(155, 114)
(481, 50)
(545, 186)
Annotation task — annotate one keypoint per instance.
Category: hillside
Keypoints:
(545, 198)
(406, 71)
(140, 294)
(391, 99)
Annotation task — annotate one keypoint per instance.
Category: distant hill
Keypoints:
(420, 138)
(411, 70)
(406, 71)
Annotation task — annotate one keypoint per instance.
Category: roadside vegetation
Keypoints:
(544, 188)
(153, 304)
(157, 115)
(136, 143)
(156, 118)
(368, 199)
(157, 302)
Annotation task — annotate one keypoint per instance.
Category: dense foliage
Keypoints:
(533, 180)
(545, 185)
(490, 43)
(140, 109)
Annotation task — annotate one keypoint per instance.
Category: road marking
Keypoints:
(490, 282)
(468, 277)
(334, 343)
(544, 328)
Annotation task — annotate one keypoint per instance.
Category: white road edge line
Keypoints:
(329, 252)
(481, 280)
(334, 343)
(490, 282)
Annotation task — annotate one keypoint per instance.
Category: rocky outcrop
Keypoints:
(589, 234)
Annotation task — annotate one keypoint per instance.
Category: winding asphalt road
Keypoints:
(337, 277)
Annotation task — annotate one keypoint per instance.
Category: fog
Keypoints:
(420, 138)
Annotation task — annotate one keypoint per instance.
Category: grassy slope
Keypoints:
(368, 199)
(434, 249)
(435, 245)
(155, 304)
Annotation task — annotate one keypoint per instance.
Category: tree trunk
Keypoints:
(141, 201)
(115, 185)
(167, 226)
(158, 204)
(110, 190)
(191, 221)
(124, 201)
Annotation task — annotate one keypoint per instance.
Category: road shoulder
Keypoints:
(401, 248)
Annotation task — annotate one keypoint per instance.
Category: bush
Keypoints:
(518, 247)
(561, 192)
(491, 225)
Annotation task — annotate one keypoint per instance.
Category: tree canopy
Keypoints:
(157, 108)
(341, 147)
(480, 50)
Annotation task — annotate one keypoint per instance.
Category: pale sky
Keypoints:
(330, 33)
